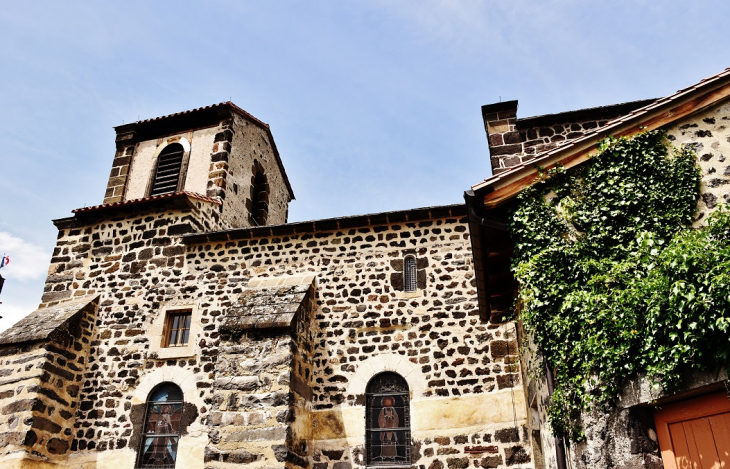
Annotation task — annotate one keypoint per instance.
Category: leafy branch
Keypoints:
(613, 280)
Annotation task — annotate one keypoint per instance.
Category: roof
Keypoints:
(126, 203)
(501, 187)
(199, 118)
(487, 202)
(329, 224)
(274, 304)
(48, 323)
(582, 114)
(223, 104)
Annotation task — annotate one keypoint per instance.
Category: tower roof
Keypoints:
(195, 119)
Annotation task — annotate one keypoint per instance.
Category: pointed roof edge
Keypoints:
(502, 187)
(46, 323)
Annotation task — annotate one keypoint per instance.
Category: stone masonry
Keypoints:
(225, 143)
(42, 367)
(623, 435)
(289, 322)
(514, 141)
(708, 133)
(290, 391)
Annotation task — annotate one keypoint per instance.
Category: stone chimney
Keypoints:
(505, 142)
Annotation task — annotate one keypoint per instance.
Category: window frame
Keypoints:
(145, 433)
(168, 329)
(410, 274)
(259, 196)
(373, 391)
(182, 170)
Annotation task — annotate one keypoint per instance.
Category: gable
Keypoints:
(714, 90)
(697, 115)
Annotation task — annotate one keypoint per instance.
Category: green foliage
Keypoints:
(613, 281)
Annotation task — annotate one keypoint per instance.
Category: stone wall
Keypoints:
(40, 382)
(263, 377)
(287, 393)
(467, 402)
(220, 161)
(708, 133)
(514, 141)
(624, 435)
(251, 149)
(135, 262)
(117, 184)
(251, 401)
(92, 251)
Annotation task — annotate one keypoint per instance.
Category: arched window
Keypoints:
(409, 274)
(167, 172)
(161, 431)
(259, 199)
(388, 426)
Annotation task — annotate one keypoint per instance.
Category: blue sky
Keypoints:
(374, 105)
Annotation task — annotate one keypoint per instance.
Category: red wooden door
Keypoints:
(695, 434)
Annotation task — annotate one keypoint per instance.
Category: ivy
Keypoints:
(613, 280)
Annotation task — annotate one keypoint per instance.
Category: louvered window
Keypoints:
(167, 173)
(409, 273)
(260, 199)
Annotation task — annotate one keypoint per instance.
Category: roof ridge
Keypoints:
(593, 108)
(610, 124)
(180, 113)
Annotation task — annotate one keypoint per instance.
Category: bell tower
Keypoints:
(219, 152)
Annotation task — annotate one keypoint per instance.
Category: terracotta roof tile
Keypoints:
(125, 203)
(204, 108)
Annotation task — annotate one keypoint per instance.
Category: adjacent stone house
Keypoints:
(689, 425)
(185, 323)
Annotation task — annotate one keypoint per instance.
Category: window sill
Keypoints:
(388, 466)
(406, 295)
(176, 352)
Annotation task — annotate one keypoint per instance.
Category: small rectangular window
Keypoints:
(177, 328)
(409, 274)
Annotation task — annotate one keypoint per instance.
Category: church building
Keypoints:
(185, 323)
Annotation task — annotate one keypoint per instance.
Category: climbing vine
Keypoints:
(613, 280)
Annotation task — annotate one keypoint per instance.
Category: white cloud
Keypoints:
(27, 261)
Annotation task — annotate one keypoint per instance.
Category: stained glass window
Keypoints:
(388, 431)
(161, 431)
